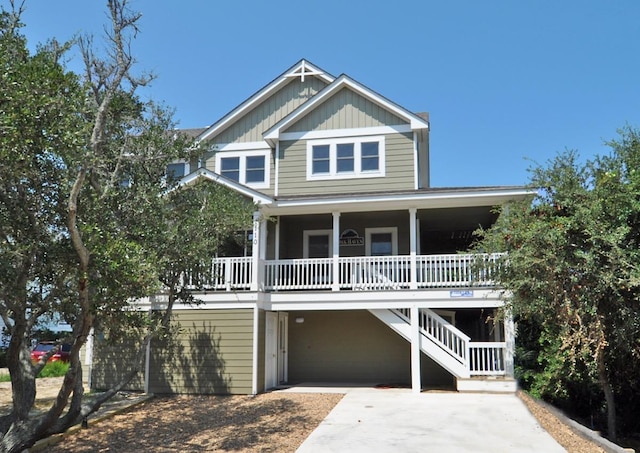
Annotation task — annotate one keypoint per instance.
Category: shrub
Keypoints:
(4, 377)
(54, 369)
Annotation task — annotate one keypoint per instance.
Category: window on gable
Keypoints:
(250, 168)
(359, 157)
(321, 159)
(344, 158)
(176, 170)
(370, 156)
(255, 169)
(230, 168)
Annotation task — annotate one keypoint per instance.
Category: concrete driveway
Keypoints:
(396, 420)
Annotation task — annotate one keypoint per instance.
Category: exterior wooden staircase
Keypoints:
(477, 366)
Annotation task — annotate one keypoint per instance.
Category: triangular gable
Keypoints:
(302, 69)
(257, 197)
(415, 122)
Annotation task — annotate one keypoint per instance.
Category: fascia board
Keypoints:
(256, 196)
(394, 202)
(415, 121)
(258, 97)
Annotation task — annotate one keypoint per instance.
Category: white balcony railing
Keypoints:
(222, 274)
(487, 358)
(367, 273)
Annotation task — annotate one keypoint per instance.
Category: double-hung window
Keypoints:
(359, 157)
(249, 168)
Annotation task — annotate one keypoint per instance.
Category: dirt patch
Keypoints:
(270, 422)
(561, 432)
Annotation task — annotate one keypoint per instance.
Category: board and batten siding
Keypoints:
(210, 352)
(399, 174)
(250, 127)
(345, 110)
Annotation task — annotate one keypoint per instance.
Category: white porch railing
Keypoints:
(365, 273)
(436, 271)
(452, 340)
(481, 358)
(487, 358)
(306, 273)
(222, 274)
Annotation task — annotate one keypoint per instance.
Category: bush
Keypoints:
(5, 377)
(54, 369)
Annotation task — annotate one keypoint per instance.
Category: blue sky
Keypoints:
(505, 82)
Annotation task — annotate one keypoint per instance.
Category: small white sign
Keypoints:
(461, 293)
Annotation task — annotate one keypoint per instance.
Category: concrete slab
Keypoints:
(396, 420)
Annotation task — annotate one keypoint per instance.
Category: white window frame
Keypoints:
(186, 166)
(266, 153)
(394, 238)
(305, 240)
(357, 156)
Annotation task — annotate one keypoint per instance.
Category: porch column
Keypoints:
(413, 241)
(510, 340)
(416, 381)
(277, 245)
(255, 252)
(335, 286)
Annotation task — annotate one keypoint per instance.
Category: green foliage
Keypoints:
(573, 273)
(4, 377)
(54, 369)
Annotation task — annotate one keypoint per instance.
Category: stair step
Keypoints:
(488, 384)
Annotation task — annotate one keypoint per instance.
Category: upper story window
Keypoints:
(176, 170)
(360, 157)
(249, 168)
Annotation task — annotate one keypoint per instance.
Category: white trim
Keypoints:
(416, 380)
(246, 146)
(394, 238)
(256, 351)
(416, 173)
(147, 367)
(276, 178)
(382, 201)
(305, 240)
(258, 197)
(357, 172)
(243, 155)
(351, 132)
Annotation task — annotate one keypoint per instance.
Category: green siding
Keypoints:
(251, 127)
(210, 352)
(352, 346)
(113, 360)
(399, 173)
(345, 109)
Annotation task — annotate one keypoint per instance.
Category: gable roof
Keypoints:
(257, 197)
(301, 69)
(415, 121)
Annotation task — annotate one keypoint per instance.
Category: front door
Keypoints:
(276, 343)
(271, 350)
(283, 343)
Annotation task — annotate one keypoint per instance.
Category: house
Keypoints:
(355, 270)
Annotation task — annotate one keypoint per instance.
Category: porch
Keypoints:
(359, 273)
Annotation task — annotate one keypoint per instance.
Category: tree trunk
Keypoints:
(609, 397)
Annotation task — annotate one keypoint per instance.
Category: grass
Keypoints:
(51, 369)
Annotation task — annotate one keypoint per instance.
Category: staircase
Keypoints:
(474, 365)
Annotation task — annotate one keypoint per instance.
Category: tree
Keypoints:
(87, 215)
(573, 268)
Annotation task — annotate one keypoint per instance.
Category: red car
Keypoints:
(62, 354)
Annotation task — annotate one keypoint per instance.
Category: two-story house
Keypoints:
(355, 270)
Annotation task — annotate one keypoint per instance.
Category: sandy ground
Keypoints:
(271, 422)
